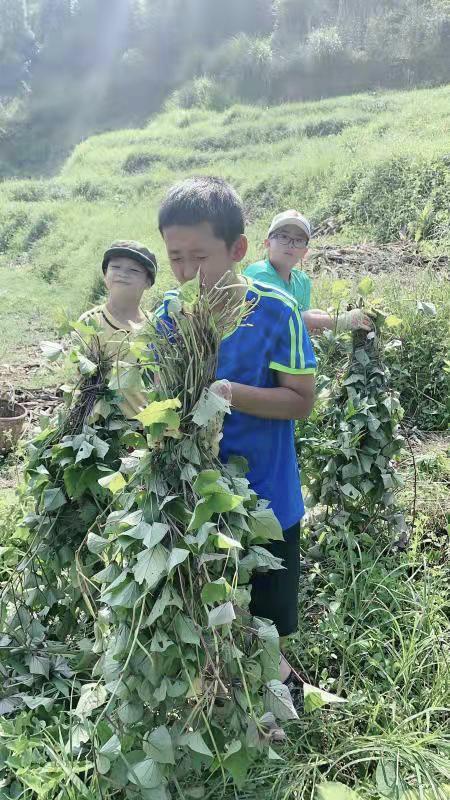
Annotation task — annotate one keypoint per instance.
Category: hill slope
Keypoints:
(378, 163)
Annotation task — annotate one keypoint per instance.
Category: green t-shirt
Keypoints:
(299, 285)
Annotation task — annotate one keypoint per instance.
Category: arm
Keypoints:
(293, 398)
(317, 320)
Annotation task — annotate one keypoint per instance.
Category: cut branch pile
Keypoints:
(373, 258)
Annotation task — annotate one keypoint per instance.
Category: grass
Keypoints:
(377, 174)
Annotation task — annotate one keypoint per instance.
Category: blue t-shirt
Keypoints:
(271, 339)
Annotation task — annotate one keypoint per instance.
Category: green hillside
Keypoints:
(377, 162)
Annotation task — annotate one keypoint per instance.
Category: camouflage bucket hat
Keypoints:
(135, 250)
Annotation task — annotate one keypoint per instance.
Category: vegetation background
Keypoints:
(340, 108)
(70, 68)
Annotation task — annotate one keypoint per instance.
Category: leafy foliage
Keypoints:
(127, 620)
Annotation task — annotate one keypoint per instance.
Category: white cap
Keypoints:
(290, 217)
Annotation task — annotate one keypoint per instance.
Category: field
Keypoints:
(373, 173)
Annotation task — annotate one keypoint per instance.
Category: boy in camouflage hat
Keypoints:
(129, 268)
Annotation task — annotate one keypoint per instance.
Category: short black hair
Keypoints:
(204, 199)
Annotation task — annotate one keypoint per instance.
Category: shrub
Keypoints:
(203, 92)
(325, 127)
(88, 190)
(392, 196)
(29, 192)
(136, 163)
(418, 365)
(39, 229)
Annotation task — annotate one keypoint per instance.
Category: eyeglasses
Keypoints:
(287, 241)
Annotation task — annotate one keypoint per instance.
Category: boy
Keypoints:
(268, 362)
(129, 269)
(287, 245)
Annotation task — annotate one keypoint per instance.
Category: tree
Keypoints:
(17, 47)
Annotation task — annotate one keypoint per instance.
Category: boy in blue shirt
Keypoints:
(268, 363)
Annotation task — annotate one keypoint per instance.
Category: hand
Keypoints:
(353, 320)
(222, 389)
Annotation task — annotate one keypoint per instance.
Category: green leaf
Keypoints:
(392, 321)
(168, 597)
(124, 595)
(196, 743)
(224, 542)
(84, 452)
(39, 665)
(264, 526)
(237, 763)
(158, 746)
(96, 544)
(206, 483)
(93, 695)
(86, 366)
(35, 702)
(190, 291)
(216, 591)
(130, 713)
(278, 700)
(115, 482)
(260, 558)
(366, 286)
(150, 534)
(387, 779)
(427, 308)
(340, 289)
(176, 557)
(103, 764)
(151, 566)
(112, 748)
(213, 504)
(334, 790)
(145, 774)
(270, 645)
(222, 615)
(79, 479)
(316, 698)
(273, 755)
(350, 491)
(185, 630)
(52, 350)
(53, 499)
(162, 413)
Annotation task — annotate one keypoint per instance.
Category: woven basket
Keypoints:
(12, 422)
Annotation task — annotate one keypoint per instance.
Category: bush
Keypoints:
(392, 196)
(325, 127)
(88, 190)
(39, 229)
(137, 163)
(203, 92)
(29, 192)
(419, 369)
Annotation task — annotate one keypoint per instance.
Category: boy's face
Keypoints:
(127, 277)
(287, 246)
(196, 248)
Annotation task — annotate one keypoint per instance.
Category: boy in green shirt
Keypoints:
(287, 245)
(129, 268)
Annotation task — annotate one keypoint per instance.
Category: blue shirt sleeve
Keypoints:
(292, 349)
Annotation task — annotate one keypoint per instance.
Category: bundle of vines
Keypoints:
(125, 628)
(373, 258)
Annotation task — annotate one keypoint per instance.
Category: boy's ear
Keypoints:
(267, 243)
(239, 248)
